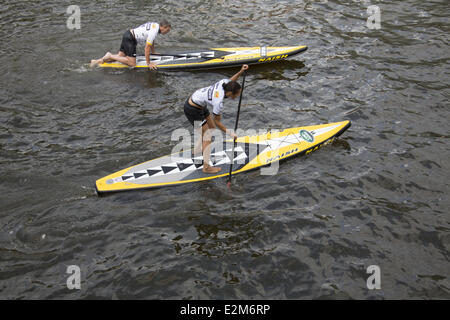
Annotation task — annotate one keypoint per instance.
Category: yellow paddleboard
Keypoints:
(250, 152)
(214, 58)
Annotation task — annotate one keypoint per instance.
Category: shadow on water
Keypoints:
(263, 71)
(276, 70)
(219, 236)
(136, 77)
(341, 143)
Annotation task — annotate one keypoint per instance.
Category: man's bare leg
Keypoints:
(120, 57)
(101, 60)
(198, 144)
(206, 138)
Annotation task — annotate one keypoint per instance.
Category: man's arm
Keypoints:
(149, 48)
(210, 122)
(221, 126)
(237, 75)
(152, 48)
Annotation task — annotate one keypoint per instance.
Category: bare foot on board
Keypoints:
(95, 62)
(210, 169)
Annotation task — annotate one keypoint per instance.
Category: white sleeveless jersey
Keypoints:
(146, 32)
(211, 96)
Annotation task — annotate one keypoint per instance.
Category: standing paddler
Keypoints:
(196, 111)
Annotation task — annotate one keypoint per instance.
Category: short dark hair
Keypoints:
(165, 23)
(231, 86)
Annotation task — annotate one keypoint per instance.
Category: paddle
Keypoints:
(235, 128)
(186, 55)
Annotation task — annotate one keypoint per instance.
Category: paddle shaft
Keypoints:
(236, 126)
(185, 55)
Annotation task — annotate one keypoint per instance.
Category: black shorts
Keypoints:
(128, 45)
(195, 114)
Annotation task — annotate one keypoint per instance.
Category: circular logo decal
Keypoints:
(307, 136)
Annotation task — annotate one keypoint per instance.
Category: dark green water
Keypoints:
(377, 196)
